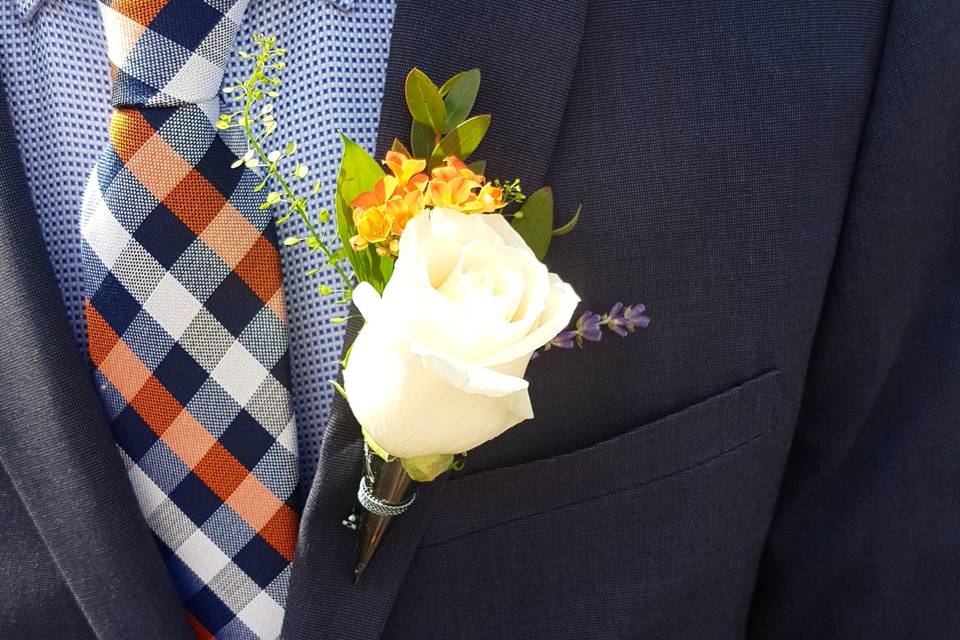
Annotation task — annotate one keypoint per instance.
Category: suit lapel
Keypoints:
(57, 448)
(527, 53)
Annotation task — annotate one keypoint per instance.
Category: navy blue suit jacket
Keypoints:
(777, 456)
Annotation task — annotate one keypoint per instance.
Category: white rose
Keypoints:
(438, 367)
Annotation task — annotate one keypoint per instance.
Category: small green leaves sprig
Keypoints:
(441, 127)
(279, 166)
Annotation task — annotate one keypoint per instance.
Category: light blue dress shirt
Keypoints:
(54, 65)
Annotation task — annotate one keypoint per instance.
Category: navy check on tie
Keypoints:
(186, 324)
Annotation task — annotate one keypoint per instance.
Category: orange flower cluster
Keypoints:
(454, 186)
(380, 215)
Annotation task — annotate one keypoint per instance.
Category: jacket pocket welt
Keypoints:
(669, 446)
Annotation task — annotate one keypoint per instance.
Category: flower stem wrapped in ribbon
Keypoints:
(448, 276)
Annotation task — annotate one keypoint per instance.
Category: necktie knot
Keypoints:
(167, 53)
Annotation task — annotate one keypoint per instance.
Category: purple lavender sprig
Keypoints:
(621, 320)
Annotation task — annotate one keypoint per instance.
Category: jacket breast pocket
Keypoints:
(669, 513)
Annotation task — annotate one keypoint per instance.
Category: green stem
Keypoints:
(271, 169)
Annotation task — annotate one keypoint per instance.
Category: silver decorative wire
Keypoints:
(377, 506)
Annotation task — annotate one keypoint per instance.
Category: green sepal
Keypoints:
(420, 468)
(534, 221)
(462, 141)
(426, 468)
(377, 449)
(424, 101)
(459, 93)
(358, 173)
(567, 228)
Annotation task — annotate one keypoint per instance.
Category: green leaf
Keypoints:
(461, 93)
(422, 139)
(479, 167)
(426, 468)
(386, 268)
(534, 221)
(399, 147)
(424, 101)
(462, 141)
(446, 86)
(358, 173)
(567, 228)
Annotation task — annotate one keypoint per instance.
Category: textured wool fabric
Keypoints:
(867, 533)
(714, 149)
(186, 323)
(73, 530)
(55, 66)
(778, 182)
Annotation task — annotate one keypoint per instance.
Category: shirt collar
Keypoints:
(28, 8)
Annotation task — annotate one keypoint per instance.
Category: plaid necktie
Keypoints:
(186, 320)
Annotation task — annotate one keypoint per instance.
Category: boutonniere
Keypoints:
(444, 265)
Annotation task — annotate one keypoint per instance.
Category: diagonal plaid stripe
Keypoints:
(187, 331)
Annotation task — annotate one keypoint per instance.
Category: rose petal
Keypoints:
(438, 367)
